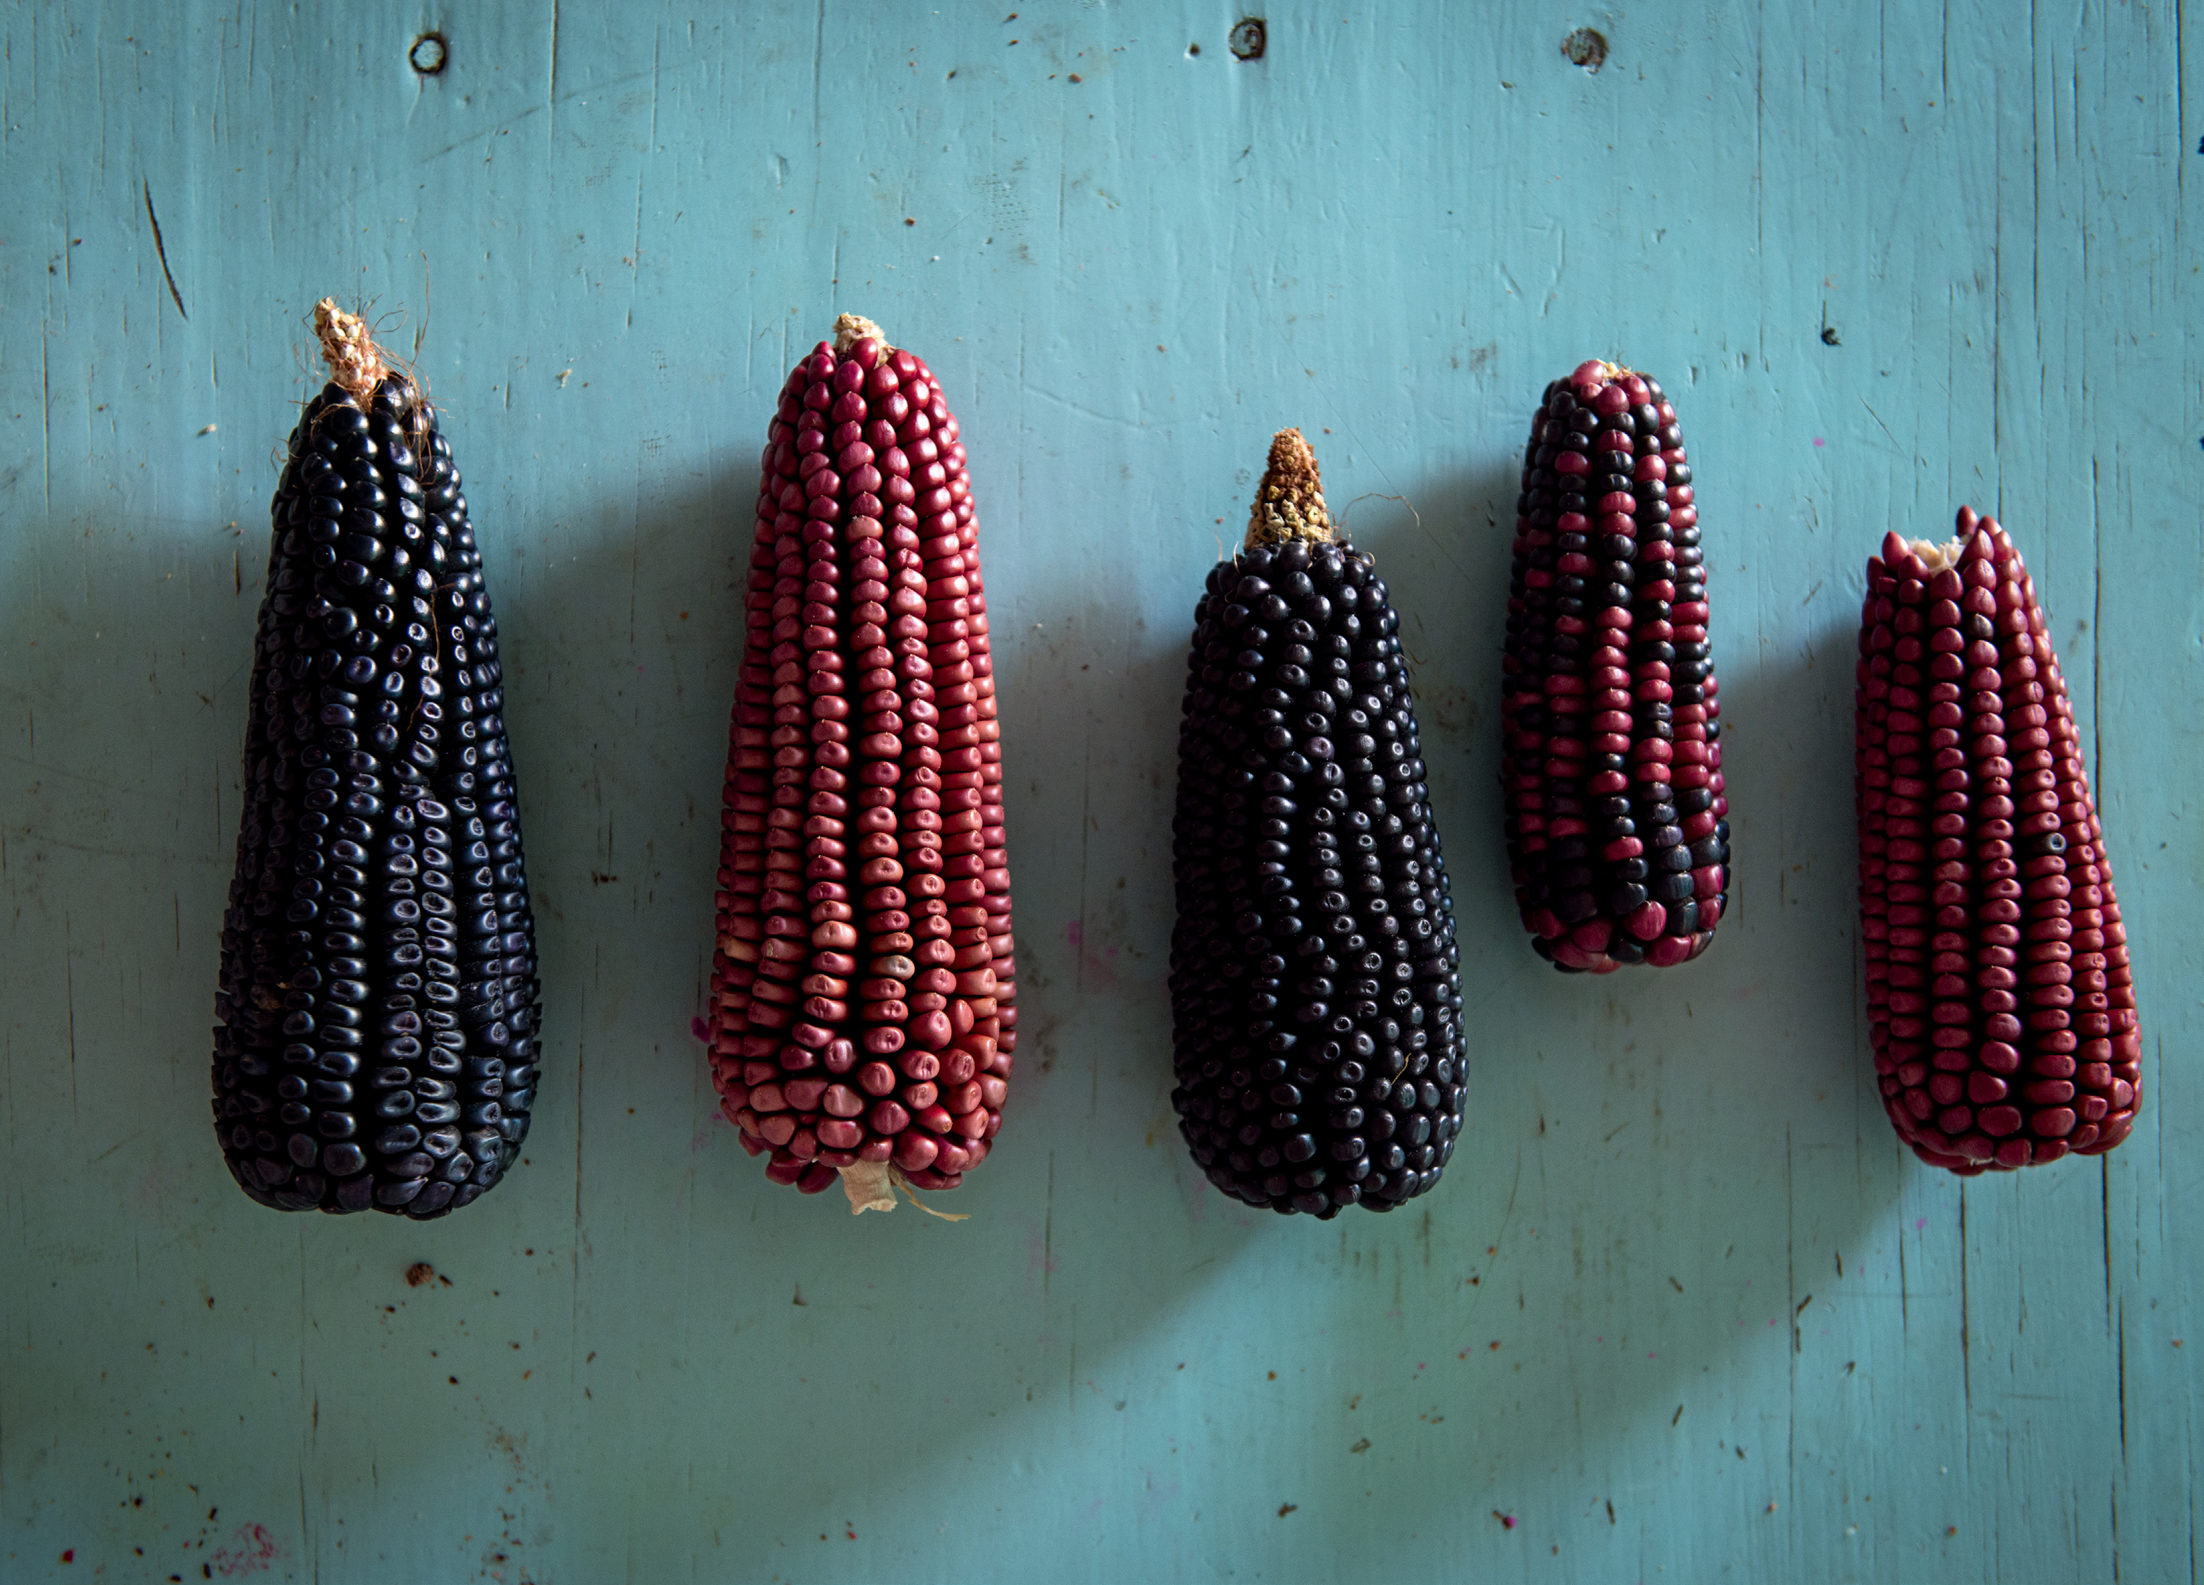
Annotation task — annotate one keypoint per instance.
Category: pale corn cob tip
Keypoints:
(1289, 504)
(356, 364)
(1937, 558)
(849, 329)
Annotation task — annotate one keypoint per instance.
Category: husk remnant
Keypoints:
(871, 1186)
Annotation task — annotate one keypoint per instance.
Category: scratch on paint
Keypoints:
(161, 248)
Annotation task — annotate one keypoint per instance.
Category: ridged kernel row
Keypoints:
(1315, 982)
(2001, 1008)
(1611, 756)
(863, 984)
(377, 1044)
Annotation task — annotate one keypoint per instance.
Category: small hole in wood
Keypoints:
(1586, 47)
(429, 54)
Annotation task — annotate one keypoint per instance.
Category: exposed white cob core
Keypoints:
(1937, 558)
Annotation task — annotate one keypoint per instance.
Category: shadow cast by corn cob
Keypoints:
(862, 1016)
(378, 994)
(2001, 1006)
(1315, 983)
(1611, 753)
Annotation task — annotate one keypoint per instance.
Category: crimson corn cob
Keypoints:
(377, 1045)
(1315, 985)
(2000, 1004)
(862, 988)
(1611, 757)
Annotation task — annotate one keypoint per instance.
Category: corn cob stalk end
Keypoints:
(850, 329)
(871, 1186)
(356, 364)
(1598, 371)
(1289, 504)
(1939, 558)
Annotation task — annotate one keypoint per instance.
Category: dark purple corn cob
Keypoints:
(377, 1048)
(2002, 1011)
(1315, 985)
(862, 987)
(1611, 752)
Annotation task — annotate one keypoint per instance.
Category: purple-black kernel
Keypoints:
(1315, 981)
(337, 875)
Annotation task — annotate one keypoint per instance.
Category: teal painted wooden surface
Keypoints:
(1681, 1307)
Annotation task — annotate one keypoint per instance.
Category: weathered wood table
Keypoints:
(1681, 1308)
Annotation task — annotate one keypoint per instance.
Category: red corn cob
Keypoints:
(2001, 1008)
(1611, 753)
(862, 985)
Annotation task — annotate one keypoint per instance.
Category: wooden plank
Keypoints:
(1682, 1306)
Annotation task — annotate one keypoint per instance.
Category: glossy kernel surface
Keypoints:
(863, 986)
(2001, 1005)
(1616, 809)
(377, 1044)
(1315, 981)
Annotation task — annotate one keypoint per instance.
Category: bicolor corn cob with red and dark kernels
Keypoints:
(2002, 1011)
(378, 989)
(1315, 984)
(862, 986)
(1611, 753)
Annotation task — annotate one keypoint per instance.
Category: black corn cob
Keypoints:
(377, 1045)
(1315, 985)
(1611, 752)
(2000, 1002)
